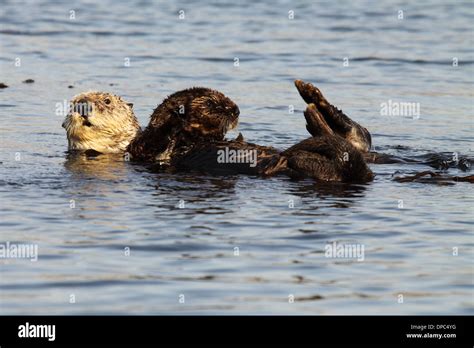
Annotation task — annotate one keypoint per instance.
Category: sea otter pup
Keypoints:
(185, 118)
(187, 132)
(326, 156)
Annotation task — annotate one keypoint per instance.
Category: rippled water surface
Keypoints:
(83, 213)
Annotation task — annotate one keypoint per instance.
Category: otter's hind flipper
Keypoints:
(315, 122)
(334, 117)
(309, 93)
(338, 121)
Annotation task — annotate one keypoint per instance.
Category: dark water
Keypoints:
(280, 227)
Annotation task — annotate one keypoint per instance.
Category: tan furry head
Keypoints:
(100, 121)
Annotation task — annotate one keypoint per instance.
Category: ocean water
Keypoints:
(114, 238)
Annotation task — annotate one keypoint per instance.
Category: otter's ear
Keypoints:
(130, 104)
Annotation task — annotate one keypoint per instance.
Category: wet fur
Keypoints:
(326, 156)
(100, 121)
(185, 118)
(187, 130)
(337, 120)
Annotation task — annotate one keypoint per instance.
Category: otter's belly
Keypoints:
(231, 157)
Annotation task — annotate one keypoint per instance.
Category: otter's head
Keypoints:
(197, 113)
(100, 121)
(211, 114)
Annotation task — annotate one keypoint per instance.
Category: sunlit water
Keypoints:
(84, 213)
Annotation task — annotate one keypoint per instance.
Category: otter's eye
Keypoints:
(107, 101)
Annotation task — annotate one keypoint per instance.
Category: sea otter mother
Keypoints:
(187, 131)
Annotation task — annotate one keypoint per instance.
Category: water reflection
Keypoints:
(103, 167)
(110, 176)
(194, 193)
(97, 185)
(339, 195)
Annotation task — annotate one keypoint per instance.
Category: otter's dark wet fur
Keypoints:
(184, 118)
(187, 131)
(327, 155)
(203, 156)
(337, 120)
(338, 150)
(323, 158)
(345, 127)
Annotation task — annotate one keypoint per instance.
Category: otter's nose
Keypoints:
(236, 111)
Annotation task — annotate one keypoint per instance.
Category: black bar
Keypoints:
(223, 330)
